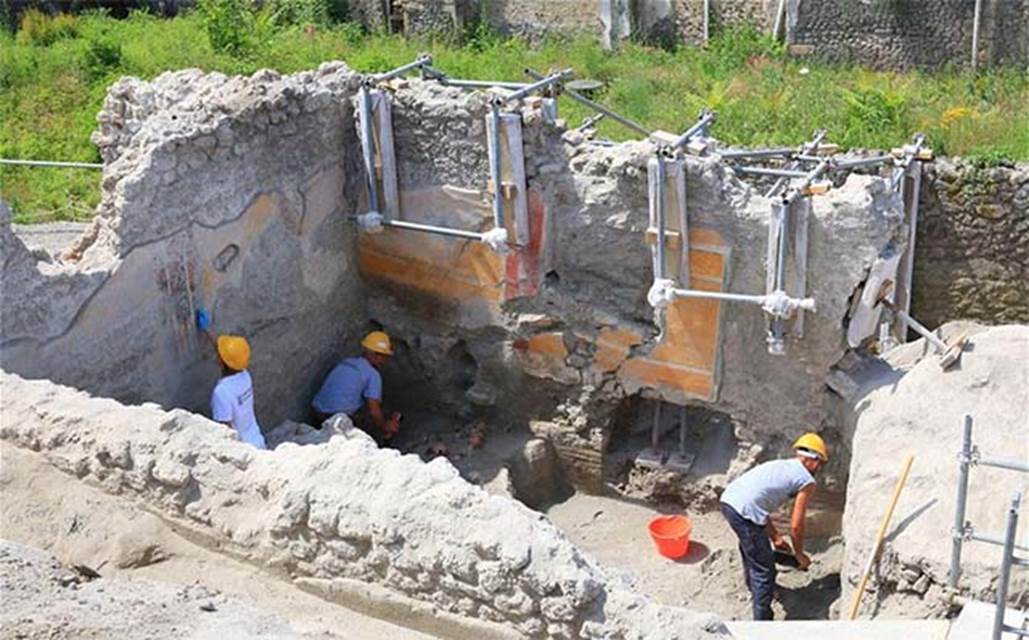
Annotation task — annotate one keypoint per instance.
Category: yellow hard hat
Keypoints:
(378, 342)
(813, 442)
(234, 351)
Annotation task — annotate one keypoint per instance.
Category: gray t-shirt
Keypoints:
(765, 488)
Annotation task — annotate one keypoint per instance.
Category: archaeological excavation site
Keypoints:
(588, 341)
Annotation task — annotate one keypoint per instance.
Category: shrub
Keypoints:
(228, 23)
(102, 56)
(300, 12)
(40, 29)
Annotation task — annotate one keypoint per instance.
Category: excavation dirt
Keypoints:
(154, 583)
(710, 576)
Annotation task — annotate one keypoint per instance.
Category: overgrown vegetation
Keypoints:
(55, 71)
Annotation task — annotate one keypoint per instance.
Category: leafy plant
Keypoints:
(228, 23)
(102, 56)
(40, 29)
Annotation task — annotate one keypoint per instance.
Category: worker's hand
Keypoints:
(803, 560)
(780, 544)
(392, 426)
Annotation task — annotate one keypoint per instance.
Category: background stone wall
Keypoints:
(909, 33)
(972, 250)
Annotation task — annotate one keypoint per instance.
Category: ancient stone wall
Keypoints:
(909, 33)
(972, 250)
(569, 307)
(223, 193)
(365, 526)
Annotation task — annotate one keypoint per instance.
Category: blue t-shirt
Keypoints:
(765, 488)
(348, 385)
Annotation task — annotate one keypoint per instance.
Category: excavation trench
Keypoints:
(534, 372)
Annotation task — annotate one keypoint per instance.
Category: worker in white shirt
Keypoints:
(232, 401)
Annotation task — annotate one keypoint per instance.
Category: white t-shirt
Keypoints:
(232, 401)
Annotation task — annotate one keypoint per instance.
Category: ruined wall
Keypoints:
(908, 405)
(909, 33)
(226, 193)
(972, 250)
(569, 308)
(357, 524)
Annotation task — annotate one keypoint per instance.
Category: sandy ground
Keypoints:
(710, 576)
(153, 580)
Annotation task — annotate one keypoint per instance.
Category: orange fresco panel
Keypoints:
(550, 344)
(613, 346)
(659, 375)
(705, 264)
(446, 268)
(686, 359)
(702, 236)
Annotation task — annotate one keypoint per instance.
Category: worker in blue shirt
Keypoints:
(748, 502)
(355, 384)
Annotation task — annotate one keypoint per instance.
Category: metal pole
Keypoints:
(780, 15)
(480, 84)
(659, 174)
(553, 78)
(1005, 565)
(763, 171)
(853, 164)
(707, 20)
(706, 118)
(994, 540)
(940, 345)
(957, 534)
(916, 147)
(369, 149)
(655, 433)
(1013, 465)
(581, 99)
(682, 431)
(422, 61)
(733, 154)
(428, 228)
(806, 148)
(494, 166)
(803, 303)
(51, 163)
(976, 19)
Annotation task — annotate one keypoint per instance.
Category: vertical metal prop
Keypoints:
(707, 20)
(369, 149)
(682, 431)
(494, 169)
(659, 264)
(976, 19)
(914, 188)
(655, 434)
(958, 532)
(1005, 565)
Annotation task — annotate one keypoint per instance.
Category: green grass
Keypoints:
(52, 86)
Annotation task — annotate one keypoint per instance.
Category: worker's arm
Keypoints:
(388, 427)
(797, 525)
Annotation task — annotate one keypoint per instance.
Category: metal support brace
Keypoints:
(910, 194)
(699, 127)
(958, 532)
(367, 148)
(1005, 568)
(422, 62)
(599, 108)
(433, 73)
(528, 90)
(739, 154)
(911, 152)
(806, 149)
(507, 174)
(51, 163)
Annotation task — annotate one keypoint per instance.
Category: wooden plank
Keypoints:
(386, 160)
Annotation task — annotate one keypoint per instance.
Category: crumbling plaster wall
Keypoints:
(226, 193)
(365, 526)
(586, 327)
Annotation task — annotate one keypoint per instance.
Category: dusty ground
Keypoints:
(710, 577)
(153, 581)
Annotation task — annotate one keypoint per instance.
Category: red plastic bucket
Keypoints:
(671, 535)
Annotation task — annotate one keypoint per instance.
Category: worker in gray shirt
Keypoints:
(748, 502)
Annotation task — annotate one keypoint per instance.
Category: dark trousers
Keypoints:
(758, 561)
